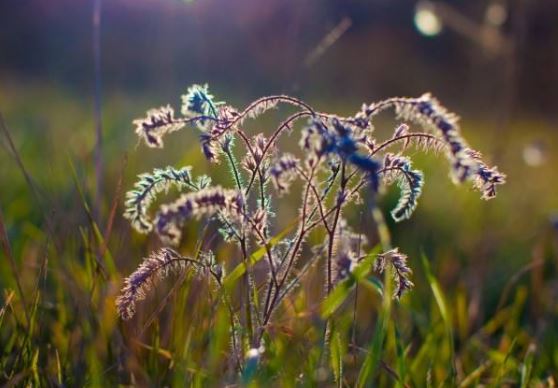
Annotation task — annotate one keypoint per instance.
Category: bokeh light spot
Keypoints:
(426, 20)
(496, 14)
(534, 154)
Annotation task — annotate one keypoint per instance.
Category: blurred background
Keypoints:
(495, 63)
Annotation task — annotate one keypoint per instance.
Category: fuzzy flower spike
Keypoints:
(466, 163)
(338, 158)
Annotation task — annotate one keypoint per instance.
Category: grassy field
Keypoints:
(484, 309)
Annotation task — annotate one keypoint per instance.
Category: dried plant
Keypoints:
(340, 160)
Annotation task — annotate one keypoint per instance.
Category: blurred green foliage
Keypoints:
(484, 310)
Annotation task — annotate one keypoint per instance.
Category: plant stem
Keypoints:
(300, 238)
(332, 231)
(331, 243)
(97, 8)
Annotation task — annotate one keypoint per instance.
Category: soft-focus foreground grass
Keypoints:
(484, 309)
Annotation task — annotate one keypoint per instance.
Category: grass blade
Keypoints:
(359, 275)
(527, 366)
(373, 356)
(336, 357)
(8, 252)
(231, 279)
(442, 307)
(109, 262)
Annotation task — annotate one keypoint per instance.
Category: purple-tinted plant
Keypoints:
(338, 160)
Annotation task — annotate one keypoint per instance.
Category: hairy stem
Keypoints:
(396, 139)
(331, 233)
(294, 253)
(232, 164)
(331, 243)
(284, 125)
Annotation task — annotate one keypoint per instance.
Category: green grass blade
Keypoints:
(400, 353)
(231, 279)
(342, 290)
(502, 366)
(339, 294)
(336, 356)
(373, 356)
(527, 367)
(109, 261)
(442, 307)
(475, 375)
